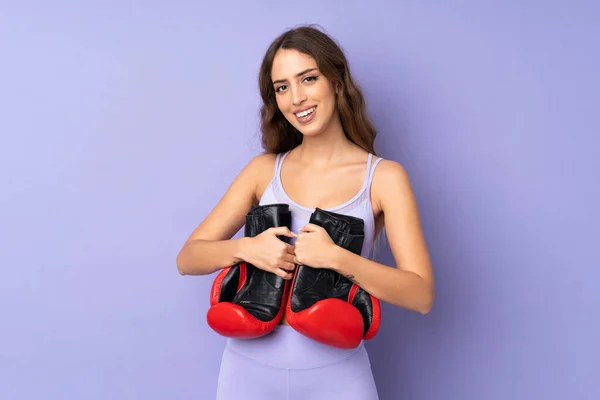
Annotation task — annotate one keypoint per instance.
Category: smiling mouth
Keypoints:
(306, 115)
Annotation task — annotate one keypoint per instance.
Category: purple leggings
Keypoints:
(286, 365)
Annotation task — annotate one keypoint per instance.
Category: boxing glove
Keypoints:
(247, 302)
(324, 305)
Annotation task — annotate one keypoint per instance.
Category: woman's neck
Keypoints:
(324, 148)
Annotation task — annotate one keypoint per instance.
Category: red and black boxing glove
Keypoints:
(324, 305)
(247, 302)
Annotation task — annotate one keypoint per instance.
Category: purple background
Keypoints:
(123, 123)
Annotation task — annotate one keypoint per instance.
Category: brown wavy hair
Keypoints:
(278, 135)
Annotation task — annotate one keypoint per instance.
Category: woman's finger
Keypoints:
(288, 266)
(282, 273)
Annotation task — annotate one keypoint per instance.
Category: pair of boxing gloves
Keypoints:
(247, 302)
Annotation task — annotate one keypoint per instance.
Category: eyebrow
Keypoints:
(297, 75)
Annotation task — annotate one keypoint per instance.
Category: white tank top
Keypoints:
(358, 206)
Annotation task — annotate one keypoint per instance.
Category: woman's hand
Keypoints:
(314, 247)
(269, 253)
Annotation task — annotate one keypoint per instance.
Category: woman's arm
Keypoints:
(210, 247)
(411, 284)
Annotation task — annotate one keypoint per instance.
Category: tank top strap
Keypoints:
(365, 193)
(278, 162)
(277, 169)
(371, 170)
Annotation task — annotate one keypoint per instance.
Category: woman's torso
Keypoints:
(358, 204)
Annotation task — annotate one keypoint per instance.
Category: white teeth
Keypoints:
(305, 113)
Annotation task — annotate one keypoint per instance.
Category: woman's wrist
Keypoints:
(337, 257)
(242, 248)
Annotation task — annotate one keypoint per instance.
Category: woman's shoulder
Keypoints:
(389, 172)
(390, 180)
(262, 161)
(260, 169)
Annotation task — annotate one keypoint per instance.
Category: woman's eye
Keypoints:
(310, 78)
(279, 88)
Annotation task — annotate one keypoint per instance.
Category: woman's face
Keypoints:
(304, 96)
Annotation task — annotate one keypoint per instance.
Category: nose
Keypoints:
(298, 95)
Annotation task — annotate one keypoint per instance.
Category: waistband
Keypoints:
(287, 348)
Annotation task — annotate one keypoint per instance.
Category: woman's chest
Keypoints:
(323, 189)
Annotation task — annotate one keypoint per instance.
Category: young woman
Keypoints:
(319, 152)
